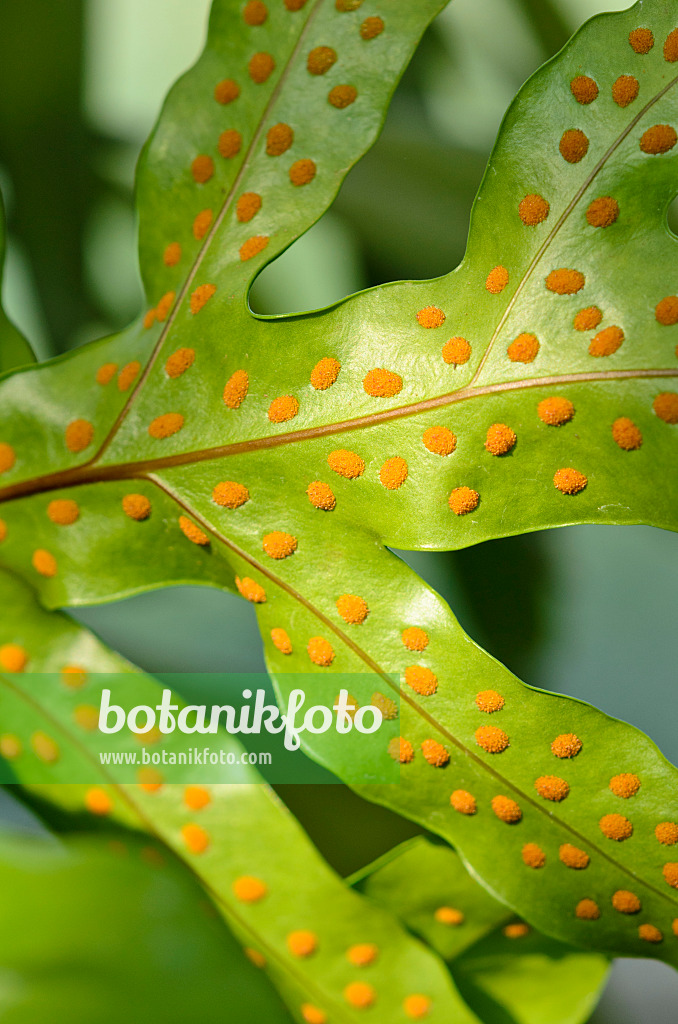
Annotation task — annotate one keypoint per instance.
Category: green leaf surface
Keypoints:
(401, 495)
(545, 983)
(240, 831)
(508, 974)
(418, 878)
(14, 349)
(90, 933)
(529, 721)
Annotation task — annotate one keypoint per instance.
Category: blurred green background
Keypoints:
(588, 611)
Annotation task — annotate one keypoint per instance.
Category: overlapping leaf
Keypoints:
(507, 971)
(591, 140)
(224, 832)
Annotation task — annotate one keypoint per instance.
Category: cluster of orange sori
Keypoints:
(44, 563)
(279, 545)
(400, 749)
(497, 280)
(78, 435)
(624, 902)
(525, 347)
(279, 138)
(500, 439)
(565, 281)
(15, 658)
(161, 311)
(516, 930)
(354, 610)
(603, 211)
(166, 425)
(230, 494)
(555, 411)
(422, 680)
(613, 826)
(180, 361)
(300, 943)
(492, 739)
(193, 532)
(128, 375)
(386, 705)
(569, 480)
(666, 313)
(40, 744)
(624, 90)
(63, 512)
(130, 371)
(658, 139)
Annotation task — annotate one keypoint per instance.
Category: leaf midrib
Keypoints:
(91, 473)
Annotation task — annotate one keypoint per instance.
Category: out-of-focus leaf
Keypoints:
(14, 349)
(431, 184)
(540, 982)
(89, 933)
(367, 830)
(224, 832)
(46, 147)
(508, 973)
(548, 23)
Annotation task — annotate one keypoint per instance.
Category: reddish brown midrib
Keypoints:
(91, 473)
